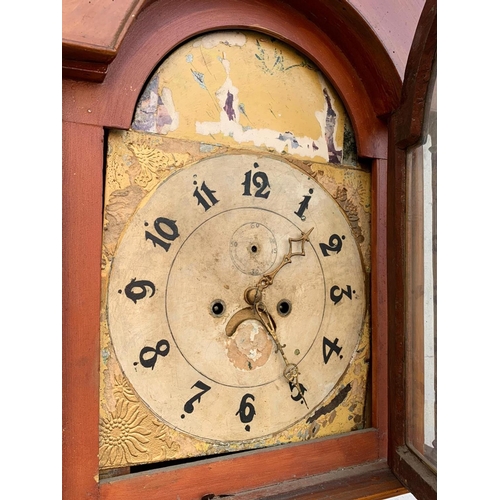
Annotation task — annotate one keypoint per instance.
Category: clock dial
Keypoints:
(199, 355)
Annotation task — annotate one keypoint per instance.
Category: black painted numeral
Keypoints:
(304, 204)
(334, 245)
(337, 297)
(259, 180)
(207, 199)
(137, 290)
(298, 396)
(189, 406)
(170, 235)
(162, 349)
(329, 348)
(246, 410)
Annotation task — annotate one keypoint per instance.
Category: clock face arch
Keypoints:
(190, 345)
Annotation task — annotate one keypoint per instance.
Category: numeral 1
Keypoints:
(303, 205)
(207, 199)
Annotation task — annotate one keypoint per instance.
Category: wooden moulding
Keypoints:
(379, 301)
(164, 25)
(90, 71)
(246, 471)
(93, 33)
(410, 116)
(371, 481)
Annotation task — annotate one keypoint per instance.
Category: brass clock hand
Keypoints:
(253, 297)
(291, 371)
(254, 294)
(259, 312)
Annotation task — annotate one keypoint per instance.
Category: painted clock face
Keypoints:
(200, 356)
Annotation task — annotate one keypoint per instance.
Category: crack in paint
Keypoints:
(336, 401)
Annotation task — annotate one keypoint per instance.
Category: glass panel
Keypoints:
(421, 287)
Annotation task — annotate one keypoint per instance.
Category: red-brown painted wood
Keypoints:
(394, 23)
(88, 71)
(371, 481)
(379, 302)
(81, 261)
(245, 471)
(410, 115)
(93, 30)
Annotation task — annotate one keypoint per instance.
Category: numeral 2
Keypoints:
(334, 245)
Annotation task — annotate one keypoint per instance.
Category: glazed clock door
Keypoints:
(235, 306)
(413, 270)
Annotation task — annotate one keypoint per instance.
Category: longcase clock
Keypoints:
(225, 261)
(235, 310)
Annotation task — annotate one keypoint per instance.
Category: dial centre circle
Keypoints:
(222, 273)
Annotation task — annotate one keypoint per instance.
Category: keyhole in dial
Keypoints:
(254, 248)
(217, 308)
(284, 307)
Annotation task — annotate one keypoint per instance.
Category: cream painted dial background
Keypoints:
(219, 242)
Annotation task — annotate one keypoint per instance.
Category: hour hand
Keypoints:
(254, 294)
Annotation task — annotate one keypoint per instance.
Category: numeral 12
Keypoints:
(259, 180)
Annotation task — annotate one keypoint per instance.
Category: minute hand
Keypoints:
(268, 278)
(291, 371)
